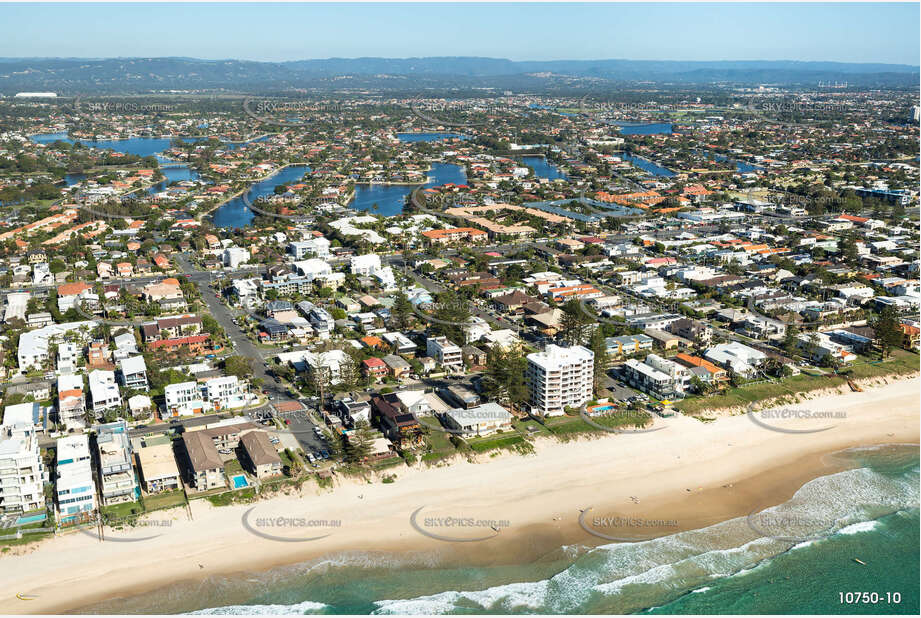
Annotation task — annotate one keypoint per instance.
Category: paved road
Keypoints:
(298, 422)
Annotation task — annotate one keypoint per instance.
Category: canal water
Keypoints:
(542, 168)
(390, 199)
(647, 166)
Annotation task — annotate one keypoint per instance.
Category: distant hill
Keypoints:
(69, 76)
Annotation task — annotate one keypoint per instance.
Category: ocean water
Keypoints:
(761, 563)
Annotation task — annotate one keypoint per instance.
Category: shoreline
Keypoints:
(691, 472)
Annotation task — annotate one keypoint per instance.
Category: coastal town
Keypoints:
(226, 300)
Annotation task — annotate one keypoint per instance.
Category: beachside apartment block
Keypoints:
(75, 488)
(21, 468)
(559, 377)
(116, 471)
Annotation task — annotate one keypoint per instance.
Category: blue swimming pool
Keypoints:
(31, 519)
(239, 481)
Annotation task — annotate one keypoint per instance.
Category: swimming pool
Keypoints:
(239, 481)
(31, 519)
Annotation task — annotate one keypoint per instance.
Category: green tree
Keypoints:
(358, 445)
(402, 310)
(600, 350)
(575, 325)
(888, 331)
(240, 366)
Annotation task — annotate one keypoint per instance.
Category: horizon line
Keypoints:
(226, 59)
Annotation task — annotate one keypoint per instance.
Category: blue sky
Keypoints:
(843, 32)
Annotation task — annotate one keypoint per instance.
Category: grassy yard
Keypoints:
(227, 498)
(164, 500)
(566, 425)
(27, 537)
(439, 445)
(509, 440)
(125, 510)
(389, 462)
(233, 467)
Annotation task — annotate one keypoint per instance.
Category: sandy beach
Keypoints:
(687, 475)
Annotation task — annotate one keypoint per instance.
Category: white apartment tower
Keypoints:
(559, 377)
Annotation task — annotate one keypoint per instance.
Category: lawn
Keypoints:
(511, 441)
(125, 510)
(233, 467)
(439, 444)
(164, 500)
(569, 425)
(233, 497)
(26, 536)
(389, 462)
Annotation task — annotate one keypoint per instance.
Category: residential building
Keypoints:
(75, 488)
(21, 468)
(104, 392)
(317, 247)
(737, 357)
(445, 353)
(115, 464)
(133, 373)
(680, 375)
(625, 345)
(365, 264)
(157, 468)
(34, 344)
(233, 257)
(649, 379)
(397, 365)
(71, 401)
(482, 420)
(819, 348)
(204, 467)
(183, 399)
(711, 373)
(321, 321)
(444, 237)
(225, 393)
(558, 378)
(693, 330)
(262, 458)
